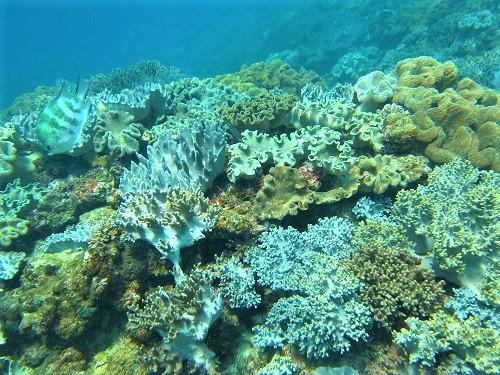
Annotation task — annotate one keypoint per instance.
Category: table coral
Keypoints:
(116, 133)
(395, 286)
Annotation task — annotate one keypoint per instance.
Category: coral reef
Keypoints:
(115, 131)
(182, 334)
(459, 121)
(454, 221)
(395, 286)
(298, 228)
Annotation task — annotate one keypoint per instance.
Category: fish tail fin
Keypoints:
(82, 88)
(63, 91)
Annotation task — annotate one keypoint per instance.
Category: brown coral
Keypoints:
(394, 284)
(284, 192)
(261, 112)
(462, 121)
(379, 173)
(260, 77)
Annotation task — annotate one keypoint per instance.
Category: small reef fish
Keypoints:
(61, 123)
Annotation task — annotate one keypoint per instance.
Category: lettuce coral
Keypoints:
(115, 131)
(15, 200)
(258, 78)
(379, 173)
(374, 89)
(322, 146)
(262, 112)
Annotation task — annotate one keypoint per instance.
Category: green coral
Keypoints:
(475, 342)
(115, 131)
(395, 286)
(322, 146)
(454, 221)
(284, 191)
(15, 201)
(261, 112)
(379, 173)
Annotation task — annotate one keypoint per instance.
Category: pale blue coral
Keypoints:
(454, 221)
(237, 284)
(9, 263)
(195, 159)
(372, 208)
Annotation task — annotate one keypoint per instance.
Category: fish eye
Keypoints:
(48, 148)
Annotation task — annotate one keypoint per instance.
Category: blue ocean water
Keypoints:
(50, 40)
(249, 187)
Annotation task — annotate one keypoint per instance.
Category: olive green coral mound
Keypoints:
(395, 285)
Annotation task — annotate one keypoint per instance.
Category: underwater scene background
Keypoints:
(250, 187)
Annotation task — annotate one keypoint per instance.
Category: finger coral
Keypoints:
(395, 285)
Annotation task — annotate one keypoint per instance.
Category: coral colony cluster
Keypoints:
(257, 222)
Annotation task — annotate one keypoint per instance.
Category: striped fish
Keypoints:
(61, 123)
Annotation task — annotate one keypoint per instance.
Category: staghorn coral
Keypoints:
(284, 191)
(395, 286)
(454, 221)
(262, 112)
(116, 133)
(379, 173)
(169, 221)
(374, 89)
(258, 78)
(181, 317)
(461, 121)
